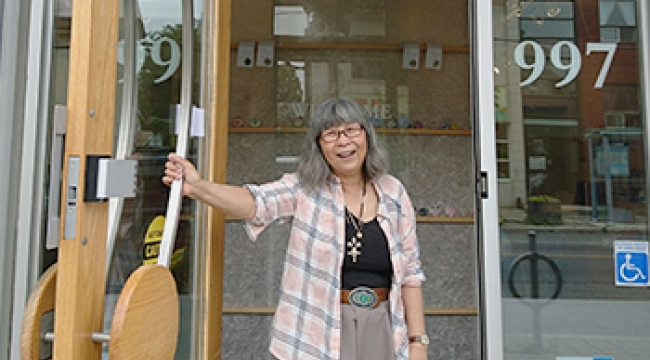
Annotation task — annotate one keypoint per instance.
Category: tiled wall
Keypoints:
(438, 169)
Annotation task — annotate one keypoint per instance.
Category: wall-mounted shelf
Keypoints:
(445, 220)
(266, 130)
(282, 130)
(357, 46)
(462, 132)
(268, 310)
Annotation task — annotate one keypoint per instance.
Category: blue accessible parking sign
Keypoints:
(631, 265)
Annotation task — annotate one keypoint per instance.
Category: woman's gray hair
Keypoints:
(313, 170)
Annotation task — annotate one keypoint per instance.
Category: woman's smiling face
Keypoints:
(344, 147)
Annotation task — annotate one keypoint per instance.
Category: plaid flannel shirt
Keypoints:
(307, 321)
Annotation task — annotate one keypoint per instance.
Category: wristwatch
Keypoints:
(422, 339)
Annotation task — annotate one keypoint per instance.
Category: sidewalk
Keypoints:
(577, 328)
(573, 218)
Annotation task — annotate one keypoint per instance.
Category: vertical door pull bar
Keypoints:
(176, 195)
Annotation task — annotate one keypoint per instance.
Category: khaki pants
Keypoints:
(366, 333)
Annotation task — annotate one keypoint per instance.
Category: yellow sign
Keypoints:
(152, 239)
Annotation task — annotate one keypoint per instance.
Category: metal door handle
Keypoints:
(176, 195)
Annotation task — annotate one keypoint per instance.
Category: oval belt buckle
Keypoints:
(363, 297)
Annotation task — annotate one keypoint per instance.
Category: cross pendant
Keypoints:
(354, 248)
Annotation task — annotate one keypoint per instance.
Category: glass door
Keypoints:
(570, 143)
(149, 86)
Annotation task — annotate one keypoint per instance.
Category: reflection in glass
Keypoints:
(577, 177)
(502, 151)
(323, 20)
(502, 132)
(503, 167)
(541, 29)
(158, 49)
(547, 9)
(290, 21)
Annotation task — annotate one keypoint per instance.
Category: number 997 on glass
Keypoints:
(564, 56)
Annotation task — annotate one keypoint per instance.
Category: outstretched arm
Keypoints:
(235, 201)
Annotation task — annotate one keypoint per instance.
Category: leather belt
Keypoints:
(364, 297)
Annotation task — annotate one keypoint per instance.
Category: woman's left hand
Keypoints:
(417, 352)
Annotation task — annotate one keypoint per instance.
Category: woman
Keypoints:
(351, 287)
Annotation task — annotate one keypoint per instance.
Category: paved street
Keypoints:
(591, 315)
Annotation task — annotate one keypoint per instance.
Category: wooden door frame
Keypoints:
(217, 75)
(81, 277)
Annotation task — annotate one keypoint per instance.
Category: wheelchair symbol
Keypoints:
(629, 271)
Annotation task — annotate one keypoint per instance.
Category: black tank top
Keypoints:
(373, 267)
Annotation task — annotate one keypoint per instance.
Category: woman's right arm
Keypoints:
(235, 201)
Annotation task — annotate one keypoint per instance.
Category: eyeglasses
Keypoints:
(350, 132)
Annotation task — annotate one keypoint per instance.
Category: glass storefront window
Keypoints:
(574, 215)
(503, 151)
(618, 21)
